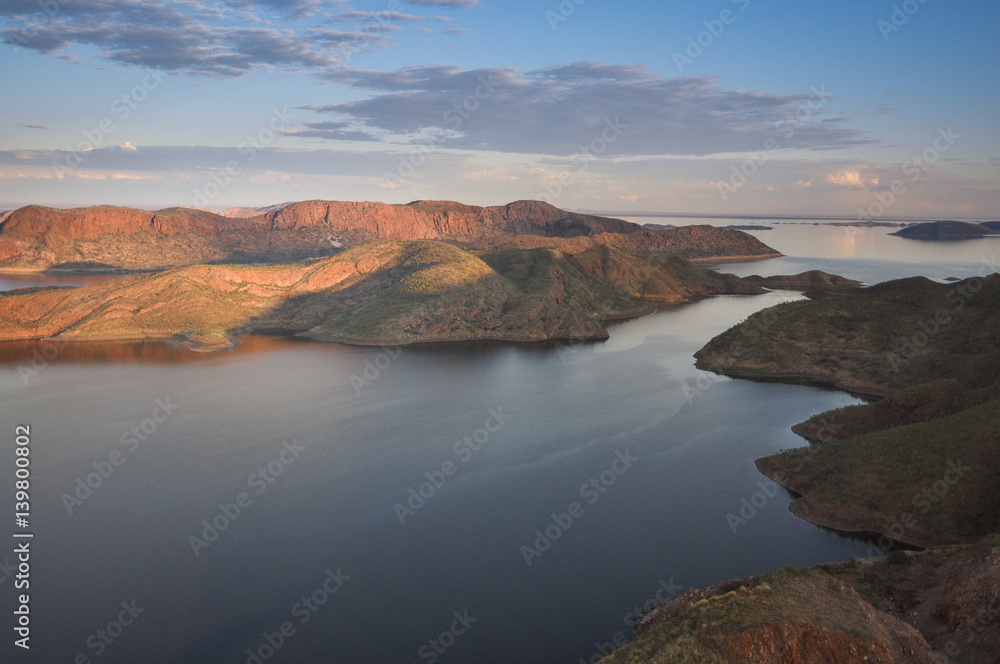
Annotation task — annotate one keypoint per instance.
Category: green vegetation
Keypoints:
(380, 292)
(850, 612)
(932, 482)
(885, 338)
(934, 352)
(788, 612)
(944, 231)
(920, 464)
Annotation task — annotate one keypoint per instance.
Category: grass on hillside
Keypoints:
(871, 482)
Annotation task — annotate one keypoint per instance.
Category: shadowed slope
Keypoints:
(381, 292)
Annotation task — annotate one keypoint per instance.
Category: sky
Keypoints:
(853, 108)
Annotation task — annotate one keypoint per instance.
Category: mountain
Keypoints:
(105, 238)
(906, 608)
(815, 283)
(944, 231)
(918, 466)
(932, 352)
(381, 292)
(247, 212)
(878, 340)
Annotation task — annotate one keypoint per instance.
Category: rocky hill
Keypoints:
(880, 339)
(939, 606)
(917, 467)
(380, 292)
(944, 231)
(106, 238)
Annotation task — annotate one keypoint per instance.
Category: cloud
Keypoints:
(457, 4)
(559, 110)
(458, 31)
(34, 126)
(193, 36)
(845, 179)
(377, 17)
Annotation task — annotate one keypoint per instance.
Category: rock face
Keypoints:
(944, 231)
(106, 237)
(381, 292)
(787, 617)
(940, 606)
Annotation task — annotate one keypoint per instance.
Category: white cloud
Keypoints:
(845, 178)
(559, 110)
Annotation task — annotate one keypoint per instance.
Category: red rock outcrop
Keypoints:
(103, 237)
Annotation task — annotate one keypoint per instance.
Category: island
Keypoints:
(944, 231)
(915, 468)
(363, 273)
(107, 238)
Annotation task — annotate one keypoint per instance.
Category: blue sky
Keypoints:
(836, 107)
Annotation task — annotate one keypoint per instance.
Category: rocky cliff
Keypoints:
(107, 237)
(381, 292)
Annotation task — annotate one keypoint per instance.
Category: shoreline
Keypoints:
(126, 271)
(833, 522)
(735, 259)
(866, 392)
(56, 272)
(300, 335)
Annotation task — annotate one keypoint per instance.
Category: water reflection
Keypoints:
(132, 352)
(10, 281)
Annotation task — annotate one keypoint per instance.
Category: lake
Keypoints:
(302, 502)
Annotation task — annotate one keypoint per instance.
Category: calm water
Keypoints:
(870, 255)
(328, 502)
(10, 281)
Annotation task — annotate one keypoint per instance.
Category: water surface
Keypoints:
(373, 424)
